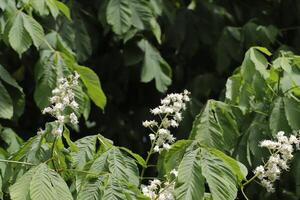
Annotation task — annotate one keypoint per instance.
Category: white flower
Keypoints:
(156, 111)
(73, 119)
(57, 132)
(47, 110)
(156, 149)
(74, 105)
(282, 152)
(174, 172)
(152, 136)
(259, 170)
(163, 131)
(170, 114)
(174, 123)
(61, 119)
(268, 185)
(149, 123)
(63, 97)
(59, 107)
(166, 146)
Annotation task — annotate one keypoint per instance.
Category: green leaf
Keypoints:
(34, 29)
(40, 182)
(190, 182)
(215, 126)
(22, 30)
(221, 180)
(236, 167)
(119, 16)
(12, 140)
(254, 61)
(18, 36)
(137, 157)
(20, 189)
(155, 67)
(169, 160)
(86, 152)
(6, 105)
(52, 7)
(16, 93)
(121, 172)
(278, 120)
(93, 85)
(47, 70)
(64, 9)
(233, 88)
(90, 190)
(292, 111)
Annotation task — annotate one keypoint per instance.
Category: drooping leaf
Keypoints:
(16, 92)
(278, 120)
(6, 105)
(93, 85)
(155, 67)
(119, 16)
(12, 140)
(292, 111)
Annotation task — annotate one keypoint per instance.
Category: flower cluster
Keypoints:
(282, 152)
(170, 113)
(160, 191)
(63, 98)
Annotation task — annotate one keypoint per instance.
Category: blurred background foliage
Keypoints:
(143, 49)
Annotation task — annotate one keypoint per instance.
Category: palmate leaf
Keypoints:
(44, 7)
(201, 165)
(169, 160)
(119, 173)
(190, 181)
(22, 30)
(40, 182)
(86, 151)
(215, 126)
(221, 178)
(154, 67)
(91, 189)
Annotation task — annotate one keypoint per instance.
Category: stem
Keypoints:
(250, 180)
(147, 160)
(244, 194)
(49, 45)
(52, 152)
(152, 146)
(17, 162)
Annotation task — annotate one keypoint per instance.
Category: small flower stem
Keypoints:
(250, 180)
